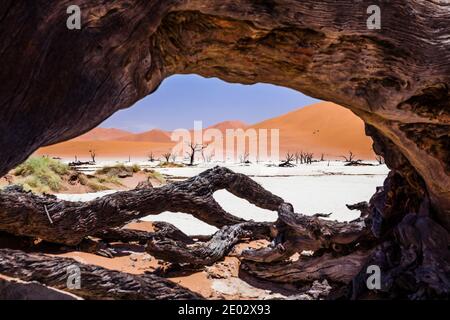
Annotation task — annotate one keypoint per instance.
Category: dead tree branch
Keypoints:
(96, 282)
(201, 254)
(23, 213)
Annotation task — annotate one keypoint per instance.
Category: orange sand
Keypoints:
(102, 134)
(320, 128)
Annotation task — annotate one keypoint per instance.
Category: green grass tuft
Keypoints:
(41, 174)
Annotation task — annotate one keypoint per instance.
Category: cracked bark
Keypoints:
(96, 282)
(23, 213)
(202, 254)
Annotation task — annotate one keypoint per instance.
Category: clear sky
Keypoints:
(183, 99)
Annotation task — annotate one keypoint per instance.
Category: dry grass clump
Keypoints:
(41, 174)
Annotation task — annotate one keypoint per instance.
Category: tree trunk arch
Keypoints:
(59, 83)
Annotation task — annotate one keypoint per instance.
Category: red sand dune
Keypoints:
(119, 150)
(233, 124)
(154, 135)
(102, 134)
(320, 128)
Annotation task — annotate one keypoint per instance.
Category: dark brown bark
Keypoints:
(206, 253)
(124, 235)
(162, 230)
(96, 282)
(23, 213)
(415, 261)
(297, 233)
(12, 289)
(341, 269)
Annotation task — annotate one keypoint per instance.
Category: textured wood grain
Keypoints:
(24, 214)
(96, 282)
(200, 254)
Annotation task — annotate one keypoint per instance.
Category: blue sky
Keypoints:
(183, 99)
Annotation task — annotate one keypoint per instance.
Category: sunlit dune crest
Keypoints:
(322, 128)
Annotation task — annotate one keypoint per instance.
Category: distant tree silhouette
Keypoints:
(166, 156)
(350, 157)
(194, 148)
(93, 155)
(288, 160)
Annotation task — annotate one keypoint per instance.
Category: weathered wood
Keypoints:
(423, 256)
(162, 230)
(206, 253)
(362, 207)
(124, 235)
(96, 282)
(340, 269)
(297, 232)
(23, 213)
(13, 289)
(169, 231)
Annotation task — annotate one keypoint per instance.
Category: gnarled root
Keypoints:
(206, 253)
(297, 233)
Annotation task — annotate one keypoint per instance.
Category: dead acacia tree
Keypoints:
(92, 154)
(308, 157)
(350, 157)
(406, 115)
(200, 254)
(166, 156)
(151, 157)
(193, 149)
(287, 162)
(45, 217)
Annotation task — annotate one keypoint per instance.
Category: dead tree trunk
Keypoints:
(411, 250)
(95, 282)
(336, 269)
(162, 230)
(13, 289)
(22, 213)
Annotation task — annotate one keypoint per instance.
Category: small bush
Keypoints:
(117, 170)
(171, 165)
